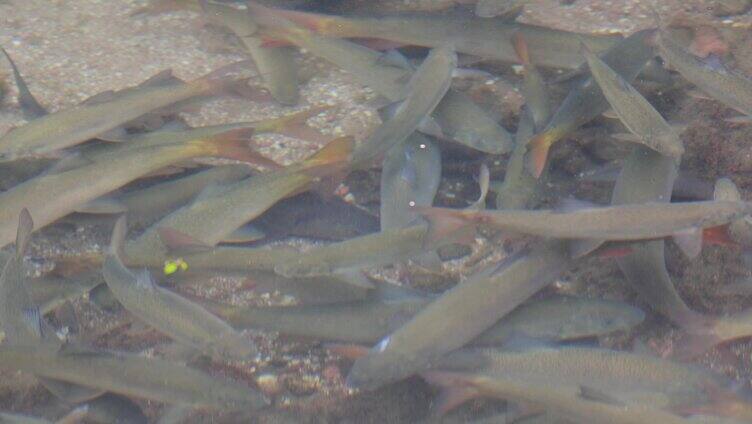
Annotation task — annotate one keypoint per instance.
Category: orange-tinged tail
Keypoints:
(537, 153)
(233, 144)
(520, 47)
(331, 157)
(294, 125)
(349, 351)
(718, 236)
(319, 23)
(447, 224)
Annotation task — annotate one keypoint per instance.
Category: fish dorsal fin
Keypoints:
(117, 241)
(29, 104)
(336, 153)
(396, 59)
(177, 241)
(23, 234)
(595, 395)
(245, 234)
(689, 241)
(162, 79)
(144, 280)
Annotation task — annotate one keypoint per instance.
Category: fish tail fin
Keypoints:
(445, 223)
(521, 48)
(718, 236)
(294, 125)
(537, 151)
(224, 81)
(319, 23)
(233, 144)
(330, 157)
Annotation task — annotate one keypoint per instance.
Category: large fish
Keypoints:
(637, 114)
(370, 320)
(54, 195)
(623, 222)
(220, 210)
(132, 375)
(585, 101)
(490, 38)
(458, 316)
(727, 86)
(184, 321)
(457, 116)
(72, 126)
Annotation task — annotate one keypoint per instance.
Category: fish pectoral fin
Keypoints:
(595, 395)
(610, 114)
(355, 277)
(245, 234)
(484, 182)
(33, 320)
(115, 135)
(689, 241)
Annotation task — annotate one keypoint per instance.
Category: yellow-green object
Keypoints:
(172, 266)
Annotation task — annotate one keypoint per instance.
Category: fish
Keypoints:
(310, 215)
(567, 401)
(275, 65)
(623, 222)
(457, 116)
(489, 38)
(149, 204)
(459, 315)
(107, 175)
(29, 104)
(131, 375)
(700, 338)
(585, 100)
(534, 87)
(426, 88)
(220, 210)
(635, 112)
(370, 320)
(184, 321)
(740, 230)
(68, 127)
(724, 85)
(48, 293)
(410, 177)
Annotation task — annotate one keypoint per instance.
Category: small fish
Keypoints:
(29, 104)
(275, 65)
(426, 88)
(585, 101)
(637, 114)
(490, 38)
(182, 320)
(457, 116)
(131, 375)
(458, 316)
(622, 222)
(409, 177)
(727, 86)
(51, 196)
(72, 126)
(368, 321)
(220, 210)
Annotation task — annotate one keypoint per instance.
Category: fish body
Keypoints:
(409, 177)
(728, 87)
(72, 126)
(585, 101)
(458, 316)
(131, 375)
(622, 222)
(637, 114)
(491, 8)
(370, 320)
(51, 196)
